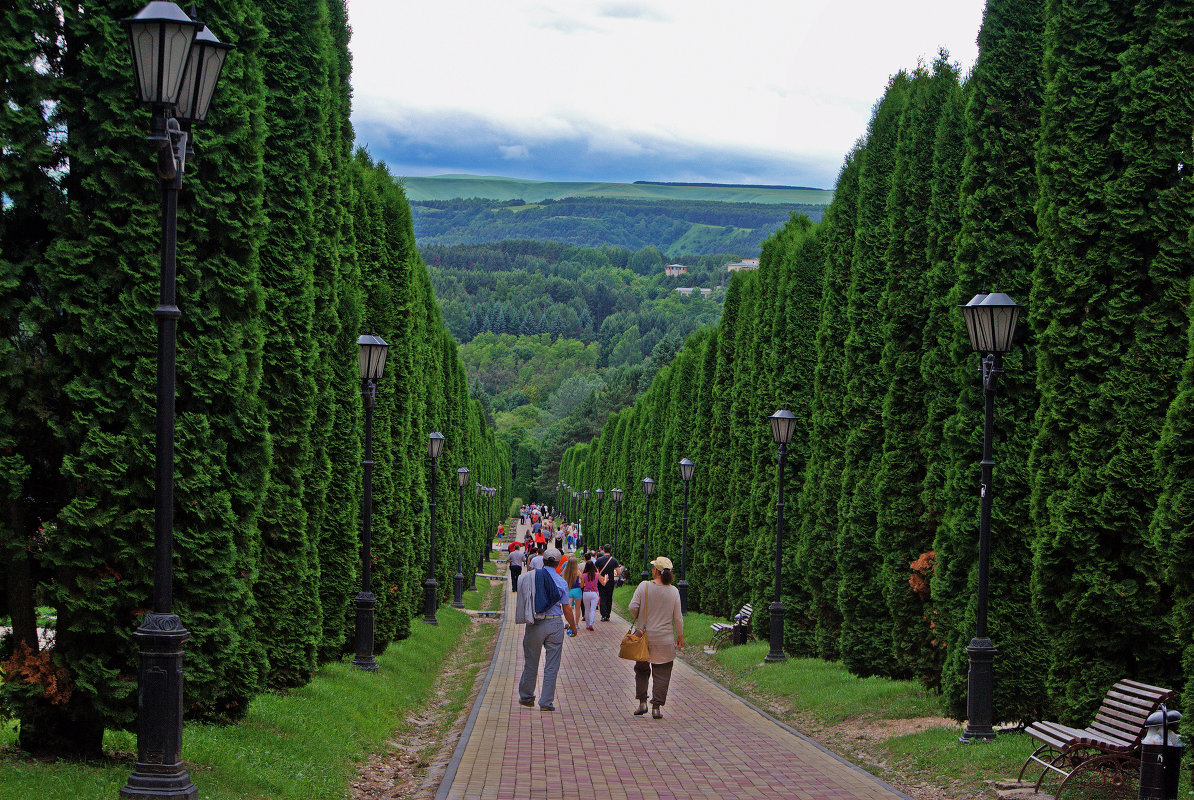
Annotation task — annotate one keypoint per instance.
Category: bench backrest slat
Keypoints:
(1125, 709)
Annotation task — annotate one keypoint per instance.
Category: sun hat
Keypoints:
(662, 563)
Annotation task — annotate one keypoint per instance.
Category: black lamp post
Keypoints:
(686, 470)
(491, 492)
(372, 360)
(458, 578)
(991, 325)
(584, 514)
(575, 504)
(783, 425)
(617, 495)
(649, 488)
(472, 579)
(176, 64)
(488, 554)
(435, 447)
(597, 520)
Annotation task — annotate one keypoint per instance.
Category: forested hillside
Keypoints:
(1060, 172)
(675, 227)
(289, 247)
(557, 336)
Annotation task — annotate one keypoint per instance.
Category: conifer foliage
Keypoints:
(288, 248)
(1058, 172)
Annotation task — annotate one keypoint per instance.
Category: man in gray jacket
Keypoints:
(544, 631)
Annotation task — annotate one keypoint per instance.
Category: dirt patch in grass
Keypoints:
(416, 758)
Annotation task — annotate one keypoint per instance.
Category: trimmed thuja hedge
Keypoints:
(1064, 182)
(289, 247)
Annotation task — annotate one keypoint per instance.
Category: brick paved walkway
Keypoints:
(708, 744)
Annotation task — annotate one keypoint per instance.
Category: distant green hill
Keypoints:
(677, 227)
(449, 187)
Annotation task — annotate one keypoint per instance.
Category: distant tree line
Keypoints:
(289, 247)
(1059, 172)
(530, 288)
(673, 226)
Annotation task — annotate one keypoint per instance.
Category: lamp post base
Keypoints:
(682, 586)
(458, 590)
(980, 691)
(366, 605)
(159, 772)
(777, 634)
(430, 601)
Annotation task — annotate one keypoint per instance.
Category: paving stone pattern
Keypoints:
(708, 744)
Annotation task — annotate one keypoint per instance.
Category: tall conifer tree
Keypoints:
(902, 534)
(865, 621)
(995, 248)
(1108, 298)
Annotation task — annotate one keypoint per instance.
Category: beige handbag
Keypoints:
(634, 643)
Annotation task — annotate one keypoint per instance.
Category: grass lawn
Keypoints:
(303, 744)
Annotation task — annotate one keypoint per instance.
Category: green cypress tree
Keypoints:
(719, 593)
(793, 359)
(30, 456)
(820, 494)
(298, 54)
(864, 616)
(1108, 301)
(994, 247)
(942, 356)
(903, 534)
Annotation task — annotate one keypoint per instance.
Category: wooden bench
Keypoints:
(1109, 747)
(723, 630)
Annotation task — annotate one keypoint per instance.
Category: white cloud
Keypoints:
(514, 152)
(781, 76)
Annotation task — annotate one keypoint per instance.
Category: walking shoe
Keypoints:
(642, 709)
(656, 713)
(547, 708)
(527, 703)
(589, 628)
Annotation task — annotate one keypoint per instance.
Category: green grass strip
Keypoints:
(305, 744)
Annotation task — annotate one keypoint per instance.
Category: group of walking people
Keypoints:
(556, 591)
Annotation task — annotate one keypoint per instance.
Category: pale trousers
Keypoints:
(590, 600)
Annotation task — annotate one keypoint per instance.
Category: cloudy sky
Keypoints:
(731, 91)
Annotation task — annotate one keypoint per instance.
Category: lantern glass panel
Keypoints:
(783, 425)
(970, 315)
(686, 470)
(462, 477)
(617, 493)
(160, 38)
(649, 486)
(372, 356)
(202, 74)
(435, 444)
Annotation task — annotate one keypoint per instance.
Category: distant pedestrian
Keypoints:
(571, 576)
(542, 607)
(607, 570)
(589, 586)
(656, 608)
(514, 562)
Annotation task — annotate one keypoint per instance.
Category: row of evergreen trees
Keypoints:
(1059, 171)
(290, 246)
